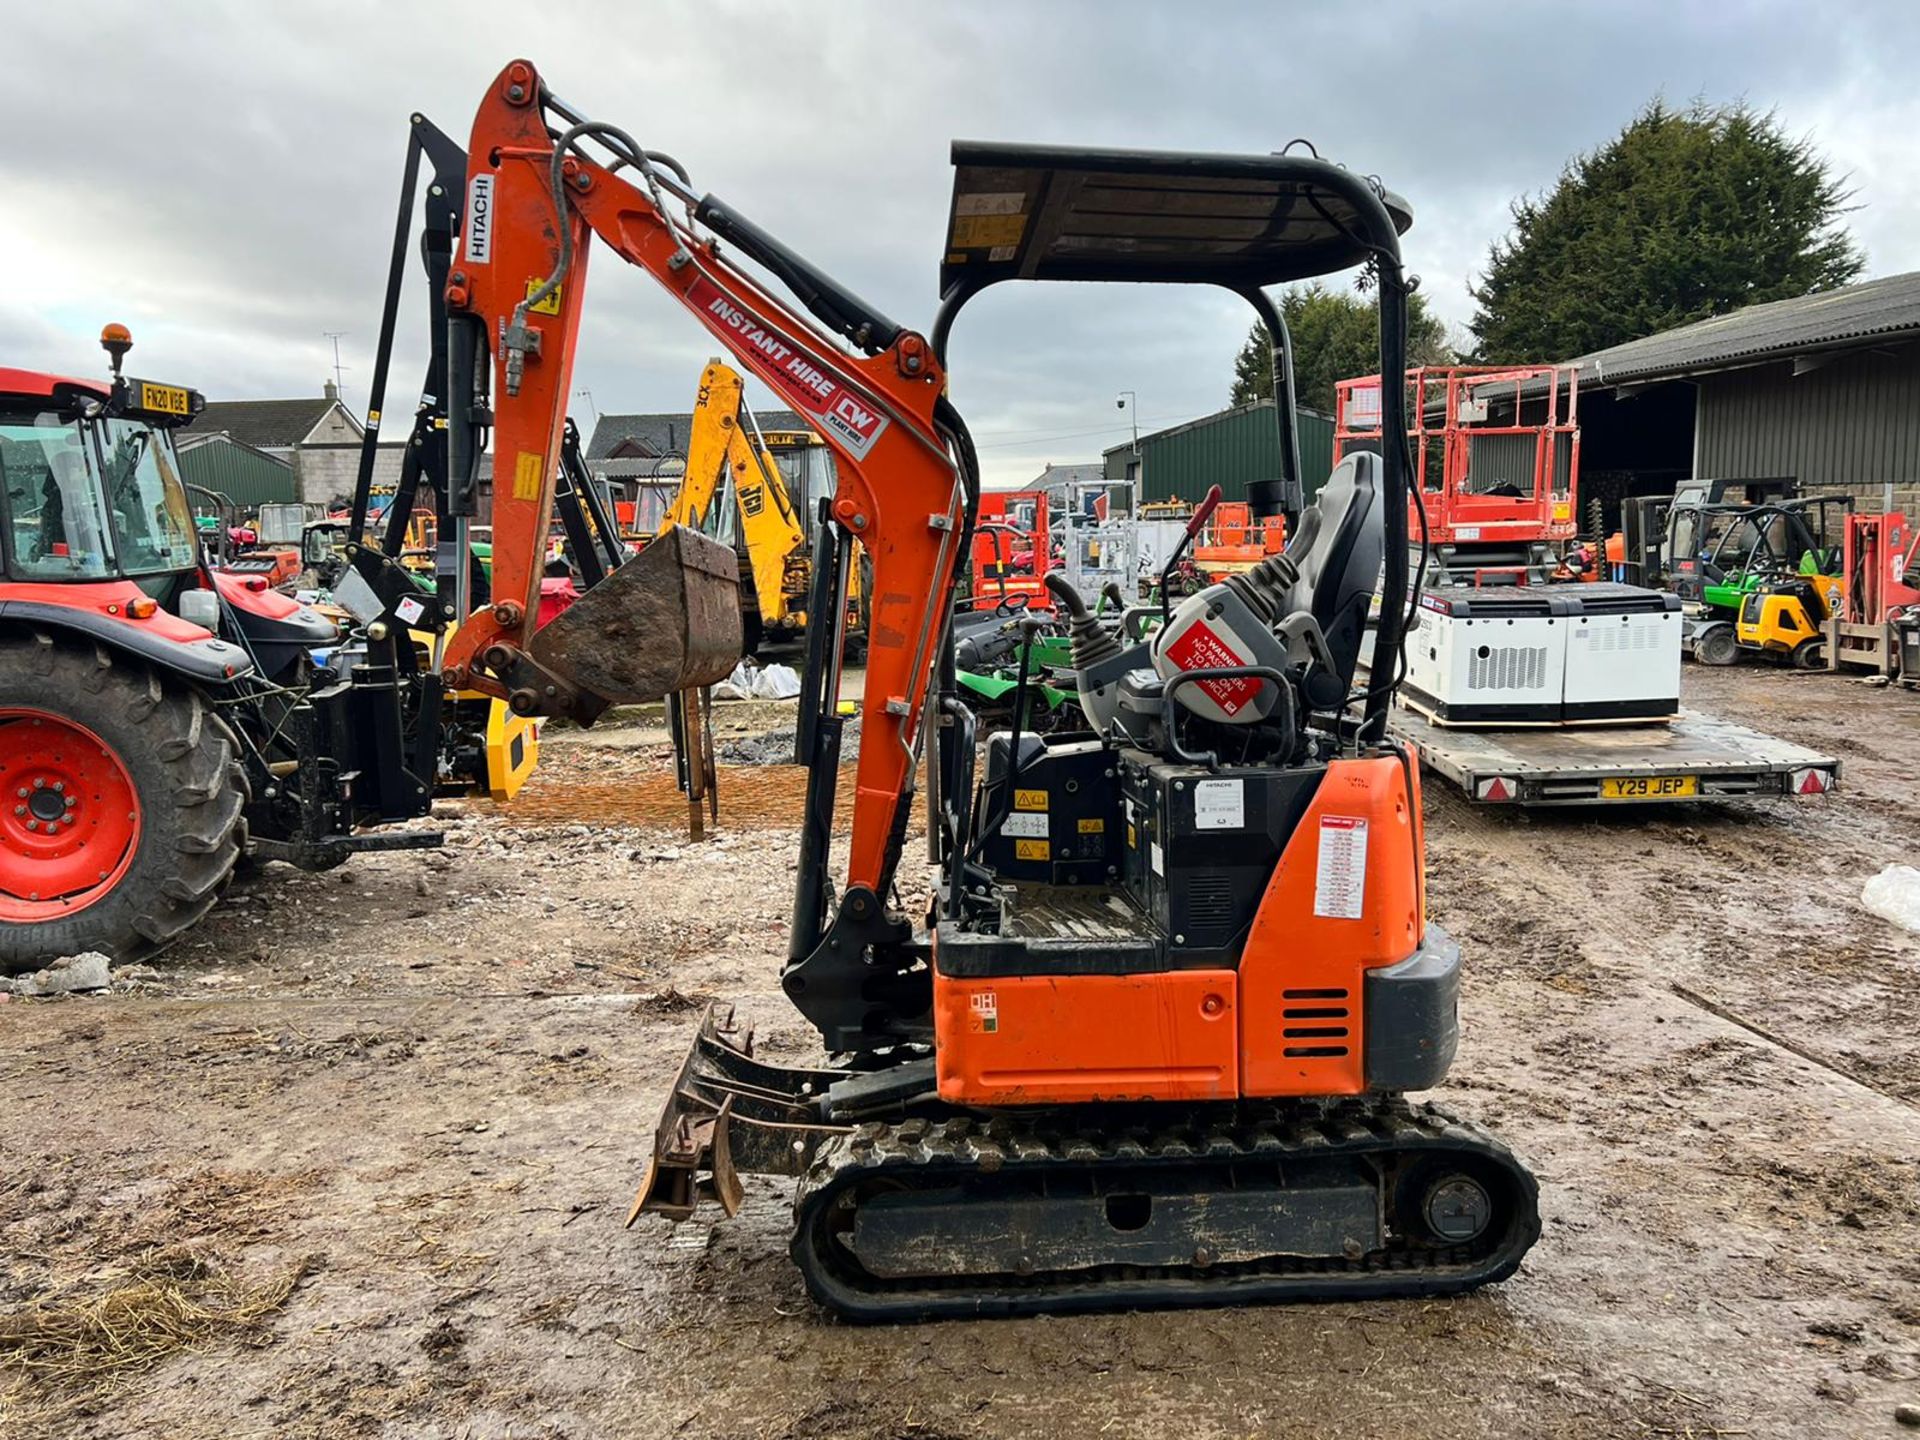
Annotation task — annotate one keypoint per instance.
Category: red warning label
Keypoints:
(1199, 647)
(844, 413)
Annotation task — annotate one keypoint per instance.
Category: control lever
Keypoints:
(1202, 513)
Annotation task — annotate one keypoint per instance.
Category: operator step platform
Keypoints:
(1569, 694)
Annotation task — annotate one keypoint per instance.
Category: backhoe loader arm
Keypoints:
(900, 491)
(711, 444)
(724, 452)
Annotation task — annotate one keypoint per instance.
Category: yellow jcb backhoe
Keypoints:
(776, 480)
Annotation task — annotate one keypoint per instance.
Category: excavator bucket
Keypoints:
(665, 620)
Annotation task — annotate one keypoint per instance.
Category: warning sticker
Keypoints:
(1031, 850)
(548, 306)
(1220, 805)
(978, 232)
(1094, 826)
(990, 202)
(1029, 799)
(1340, 879)
(984, 1012)
(409, 609)
(1199, 648)
(1031, 826)
(849, 417)
(1159, 860)
(526, 475)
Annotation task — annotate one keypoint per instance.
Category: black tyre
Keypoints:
(1716, 645)
(1810, 655)
(120, 804)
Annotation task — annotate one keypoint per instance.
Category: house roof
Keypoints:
(1088, 474)
(268, 424)
(665, 432)
(1851, 316)
(646, 467)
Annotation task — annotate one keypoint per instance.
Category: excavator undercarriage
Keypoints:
(939, 1211)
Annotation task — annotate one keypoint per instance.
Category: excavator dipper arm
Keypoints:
(900, 491)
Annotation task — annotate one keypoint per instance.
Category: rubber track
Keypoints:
(933, 1153)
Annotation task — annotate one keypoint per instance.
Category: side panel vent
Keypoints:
(1507, 667)
(1317, 1021)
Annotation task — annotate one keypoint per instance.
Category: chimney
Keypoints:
(330, 390)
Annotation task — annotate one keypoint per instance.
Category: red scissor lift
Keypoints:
(1496, 463)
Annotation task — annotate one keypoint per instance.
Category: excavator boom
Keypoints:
(534, 201)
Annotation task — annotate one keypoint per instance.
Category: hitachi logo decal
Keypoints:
(478, 249)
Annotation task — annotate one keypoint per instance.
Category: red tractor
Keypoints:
(159, 718)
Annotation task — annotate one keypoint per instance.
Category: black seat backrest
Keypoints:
(1341, 568)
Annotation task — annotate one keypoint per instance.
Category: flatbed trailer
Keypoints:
(1692, 757)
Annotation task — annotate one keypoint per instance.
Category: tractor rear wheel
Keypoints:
(120, 804)
(1716, 645)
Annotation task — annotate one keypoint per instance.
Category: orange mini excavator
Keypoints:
(1149, 1041)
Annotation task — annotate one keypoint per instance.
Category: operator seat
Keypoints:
(1340, 570)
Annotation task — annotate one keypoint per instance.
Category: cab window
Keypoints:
(55, 525)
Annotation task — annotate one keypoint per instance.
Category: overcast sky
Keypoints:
(222, 177)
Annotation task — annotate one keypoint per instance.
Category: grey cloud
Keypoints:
(223, 176)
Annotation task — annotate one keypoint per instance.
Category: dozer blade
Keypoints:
(729, 1114)
(667, 619)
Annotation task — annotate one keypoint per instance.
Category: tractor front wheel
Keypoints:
(120, 804)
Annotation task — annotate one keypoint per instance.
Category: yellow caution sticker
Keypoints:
(1133, 838)
(978, 232)
(1031, 850)
(527, 468)
(1095, 826)
(1029, 799)
(548, 306)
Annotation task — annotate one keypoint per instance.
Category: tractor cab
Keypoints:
(92, 489)
(96, 521)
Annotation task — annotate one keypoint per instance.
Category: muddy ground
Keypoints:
(424, 1085)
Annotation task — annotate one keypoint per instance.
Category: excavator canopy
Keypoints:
(1040, 212)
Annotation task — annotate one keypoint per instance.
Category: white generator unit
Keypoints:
(1545, 655)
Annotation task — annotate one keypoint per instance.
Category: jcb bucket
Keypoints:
(667, 619)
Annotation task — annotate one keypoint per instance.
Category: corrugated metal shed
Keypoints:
(1805, 325)
(247, 476)
(1231, 449)
(1852, 425)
